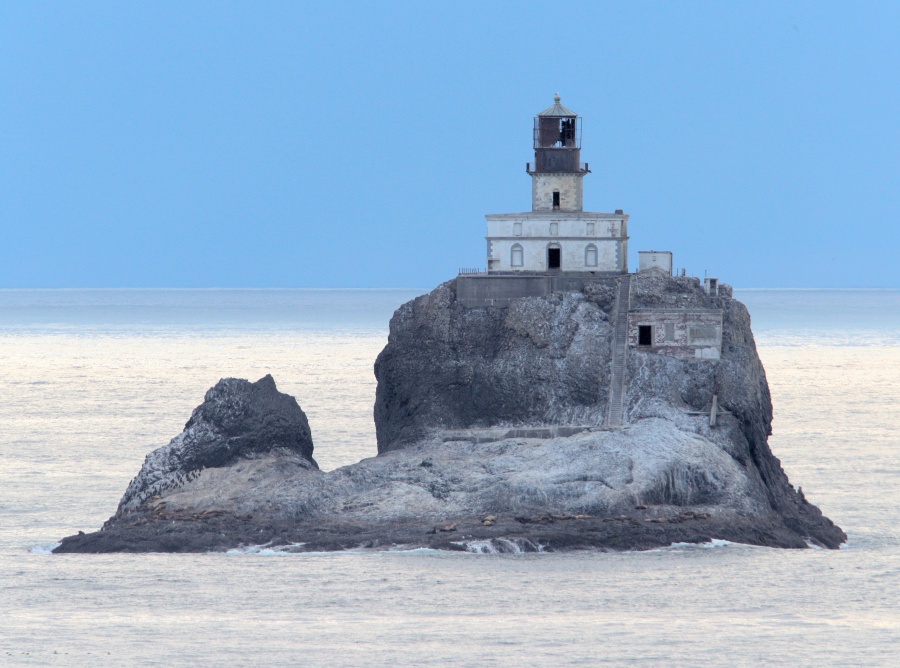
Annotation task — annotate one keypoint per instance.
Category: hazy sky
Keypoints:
(360, 144)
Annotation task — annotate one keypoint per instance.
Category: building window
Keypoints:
(554, 229)
(703, 334)
(516, 256)
(590, 229)
(556, 199)
(645, 335)
(670, 331)
(517, 229)
(590, 256)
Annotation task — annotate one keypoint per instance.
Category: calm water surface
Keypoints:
(92, 380)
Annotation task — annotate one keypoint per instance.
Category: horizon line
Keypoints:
(170, 288)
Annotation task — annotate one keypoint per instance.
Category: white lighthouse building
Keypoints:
(557, 235)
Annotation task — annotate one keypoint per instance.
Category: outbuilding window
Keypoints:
(703, 334)
(516, 256)
(670, 331)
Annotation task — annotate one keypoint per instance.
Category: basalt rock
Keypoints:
(542, 360)
(490, 413)
(237, 420)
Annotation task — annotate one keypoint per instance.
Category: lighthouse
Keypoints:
(557, 236)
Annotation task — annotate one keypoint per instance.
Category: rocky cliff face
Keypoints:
(541, 361)
(660, 386)
(491, 437)
(546, 361)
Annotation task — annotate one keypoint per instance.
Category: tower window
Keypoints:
(555, 199)
(516, 256)
(590, 256)
(645, 335)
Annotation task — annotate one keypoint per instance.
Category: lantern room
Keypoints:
(557, 140)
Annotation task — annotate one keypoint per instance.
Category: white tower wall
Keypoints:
(569, 186)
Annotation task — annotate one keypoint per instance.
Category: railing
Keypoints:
(470, 270)
(583, 166)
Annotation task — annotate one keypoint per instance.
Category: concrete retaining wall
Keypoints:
(475, 291)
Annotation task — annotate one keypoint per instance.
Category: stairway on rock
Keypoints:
(616, 412)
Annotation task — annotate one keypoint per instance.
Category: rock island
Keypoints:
(553, 401)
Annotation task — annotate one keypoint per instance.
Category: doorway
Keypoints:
(554, 258)
(645, 335)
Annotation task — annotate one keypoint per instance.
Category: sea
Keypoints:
(93, 380)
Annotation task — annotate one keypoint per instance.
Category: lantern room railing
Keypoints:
(582, 167)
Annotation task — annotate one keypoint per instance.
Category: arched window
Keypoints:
(590, 256)
(516, 256)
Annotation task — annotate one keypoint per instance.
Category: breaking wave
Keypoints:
(501, 546)
(708, 545)
(268, 549)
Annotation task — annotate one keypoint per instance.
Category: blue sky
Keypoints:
(360, 144)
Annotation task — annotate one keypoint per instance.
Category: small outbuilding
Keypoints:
(656, 262)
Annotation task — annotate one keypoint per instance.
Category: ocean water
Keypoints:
(92, 380)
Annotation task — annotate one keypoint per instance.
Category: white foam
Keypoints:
(711, 544)
(297, 549)
(268, 550)
(43, 549)
(416, 550)
(478, 546)
(498, 546)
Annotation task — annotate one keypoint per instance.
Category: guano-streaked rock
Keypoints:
(489, 412)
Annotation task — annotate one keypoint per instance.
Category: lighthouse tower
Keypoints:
(557, 235)
(557, 174)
